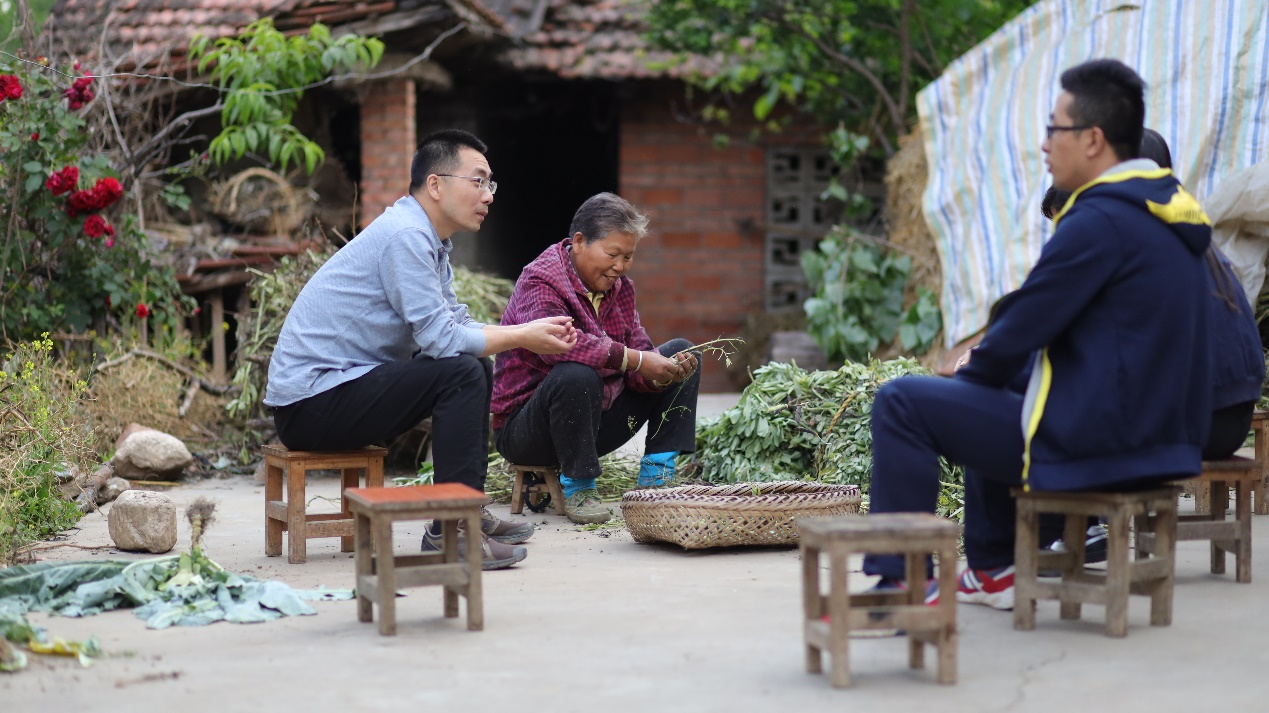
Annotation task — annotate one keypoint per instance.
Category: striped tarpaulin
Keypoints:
(1206, 65)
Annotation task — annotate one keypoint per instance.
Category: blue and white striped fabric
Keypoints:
(1206, 65)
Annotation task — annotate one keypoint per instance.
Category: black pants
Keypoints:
(563, 423)
(390, 400)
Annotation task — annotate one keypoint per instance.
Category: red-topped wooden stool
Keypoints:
(380, 572)
(289, 515)
(536, 486)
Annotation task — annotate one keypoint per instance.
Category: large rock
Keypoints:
(142, 521)
(128, 431)
(151, 455)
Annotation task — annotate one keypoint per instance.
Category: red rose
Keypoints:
(10, 87)
(63, 180)
(80, 92)
(35, 136)
(96, 226)
(142, 310)
(81, 202)
(106, 192)
(110, 241)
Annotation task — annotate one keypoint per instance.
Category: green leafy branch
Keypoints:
(259, 71)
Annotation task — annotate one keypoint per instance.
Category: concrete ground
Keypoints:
(592, 621)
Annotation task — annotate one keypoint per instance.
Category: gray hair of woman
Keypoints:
(606, 213)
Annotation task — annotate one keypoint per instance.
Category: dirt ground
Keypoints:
(593, 621)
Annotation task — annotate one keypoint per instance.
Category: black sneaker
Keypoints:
(1094, 545)
(494, 555)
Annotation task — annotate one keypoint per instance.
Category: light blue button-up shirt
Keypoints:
(388, 295)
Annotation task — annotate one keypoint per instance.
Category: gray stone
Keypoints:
(151, 455)
(143, 521)
(128, 431)
(113, 488)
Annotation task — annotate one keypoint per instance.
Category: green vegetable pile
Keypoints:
(793, 424)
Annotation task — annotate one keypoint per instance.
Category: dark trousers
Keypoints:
(390, 400)
(917, 419)
(564, 424)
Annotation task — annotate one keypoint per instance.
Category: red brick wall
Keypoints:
(387, 146)
(698, 272)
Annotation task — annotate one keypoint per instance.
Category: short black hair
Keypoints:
(1053, 200)
(438, 152)
(1108, 94)
(1155, 148)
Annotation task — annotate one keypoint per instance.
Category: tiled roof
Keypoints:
(589, 39)
(154, 29)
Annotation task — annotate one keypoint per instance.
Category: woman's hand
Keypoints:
(663, 371)
(687, 365)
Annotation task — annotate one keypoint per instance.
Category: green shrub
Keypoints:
(43, 436)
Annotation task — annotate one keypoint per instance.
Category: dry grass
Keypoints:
(906, 176)
(150, 393)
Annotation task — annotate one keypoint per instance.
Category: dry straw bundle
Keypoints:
(699, 516)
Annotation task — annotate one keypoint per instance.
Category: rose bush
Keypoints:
(71, 253)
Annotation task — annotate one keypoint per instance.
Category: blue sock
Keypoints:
(657, 468)
(574, 485)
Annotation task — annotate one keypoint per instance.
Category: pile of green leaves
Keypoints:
(793, 424)
(857, 299)
(44, 436)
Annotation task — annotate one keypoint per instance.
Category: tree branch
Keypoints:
(854, 65)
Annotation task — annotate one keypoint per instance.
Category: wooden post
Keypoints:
(219, 367)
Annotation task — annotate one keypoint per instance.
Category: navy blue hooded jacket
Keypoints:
(1238, 359)
(1115, 312)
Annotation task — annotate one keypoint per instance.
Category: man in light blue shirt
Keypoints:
(377, 340)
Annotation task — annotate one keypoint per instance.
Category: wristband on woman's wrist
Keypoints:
(639, 365)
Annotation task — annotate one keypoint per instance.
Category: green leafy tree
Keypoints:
(262, 74)
(855, 64)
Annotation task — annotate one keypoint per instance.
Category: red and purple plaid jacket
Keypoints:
(550, 287)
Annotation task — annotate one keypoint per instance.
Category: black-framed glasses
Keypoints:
(482, 183)
(1050, 130)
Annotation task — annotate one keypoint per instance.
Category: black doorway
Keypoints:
(552, 145)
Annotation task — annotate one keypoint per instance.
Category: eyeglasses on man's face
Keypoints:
(482, 183)
(1050, 130)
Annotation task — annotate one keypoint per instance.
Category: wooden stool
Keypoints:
(914, 535)
(380, 573)
(534, 485)
(1151, 574)
(289, 515)
(1233, 536)
(1259, 494)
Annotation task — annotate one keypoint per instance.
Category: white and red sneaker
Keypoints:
(993, 588)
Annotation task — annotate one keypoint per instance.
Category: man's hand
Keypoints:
(549, 335)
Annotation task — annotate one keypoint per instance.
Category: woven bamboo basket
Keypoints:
(698, 516)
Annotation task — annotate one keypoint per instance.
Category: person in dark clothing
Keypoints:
(1111, 401)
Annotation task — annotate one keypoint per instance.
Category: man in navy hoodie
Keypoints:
(1112, 318)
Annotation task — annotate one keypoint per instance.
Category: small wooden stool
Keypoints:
(289, 515)
(1259, 492)
(380, 573)
(914, 535)
(1232, 536)
(534, 485)
(1151, 574)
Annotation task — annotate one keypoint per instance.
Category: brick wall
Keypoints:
(699, 271)
(387, 146)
